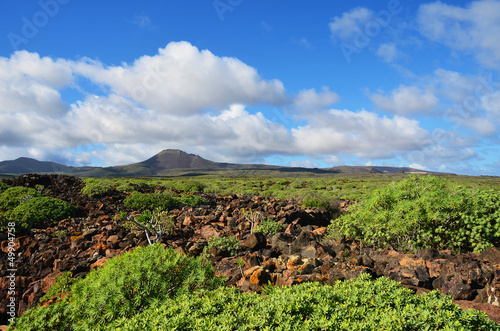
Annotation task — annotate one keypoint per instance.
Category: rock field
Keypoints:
(297, 254)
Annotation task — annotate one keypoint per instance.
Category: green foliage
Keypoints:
(3, 187)
(13, 196)
(150, 201)
(96, 187)
(229, 244)
(37, 210)
(269, 227)
(422, 212)
(55, 317)
(160, 201)
(357, 304)
(191, 200)
(123, 287)
(317, 202)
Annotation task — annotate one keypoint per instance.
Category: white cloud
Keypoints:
(309, 100)
(29, 83)
(406, 100)
(474, 29)
(363, 134)
(181, 79)
(388, 52)
(350, 23)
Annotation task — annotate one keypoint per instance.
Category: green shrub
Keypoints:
(357, 304)
(38, 210)
(422, 212)
(3, 187)
(269, 227)
(318, 202)
(229, 244)
(96, 187)
(150, 201)
(12, 197)
(123, 287)
(55, 317)
(191, 200)
(188, 186)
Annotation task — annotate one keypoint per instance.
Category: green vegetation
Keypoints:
(422, 212)
(162, 201)
(37, 210)
(269, 227)
(357, 304)
(62, 286)
(229, 244)
(96, 187)
(3, 187)
(191, 200)
(28, 208)
(124, 287)
(318, 202)
(13, 196)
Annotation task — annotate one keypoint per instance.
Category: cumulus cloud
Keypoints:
(198, 102)
(406, 100)
(350, 23)
(473, 29)
(181, 79)
(473, 100)
(364, 134)
(309, 100)
(29, 83)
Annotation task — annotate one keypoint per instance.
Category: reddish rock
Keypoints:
(99, 263)
(490, 310)
(208, 231)
(255, 241)
(492, 255)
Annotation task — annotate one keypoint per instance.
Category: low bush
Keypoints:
(3, 187)
(269, 227)
(424, 212)
(318, 202)
(191, 200)
(125, 286)
(38, 210)
(357, 304)
(13, 196)
(160, 201)
(96, 187)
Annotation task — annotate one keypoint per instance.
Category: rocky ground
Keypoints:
(297, 254)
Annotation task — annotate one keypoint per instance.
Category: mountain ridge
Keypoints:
(174, 162)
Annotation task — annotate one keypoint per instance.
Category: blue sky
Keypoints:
(317, 84)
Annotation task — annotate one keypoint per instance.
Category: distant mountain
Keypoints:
(25, 165)
(174, 162)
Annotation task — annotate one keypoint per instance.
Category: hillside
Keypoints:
(174, 162)
(28, 165)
